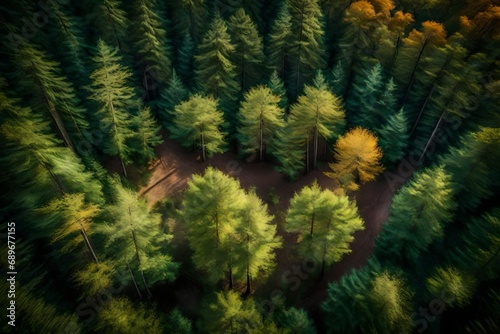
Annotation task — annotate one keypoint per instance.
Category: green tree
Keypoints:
(288, 150)
(177, 323)
(325, 223)
(260, 118)
(393, 138)
(278, 88)
(458, 286)
(417, 217)
(134, 236)
(111, 22)
(294, 320)
(317, 113)
(185, 60)
(248, 56)
(151, 45)
(121, 316)
(216, 74)
(51, 93)
(146, 135)
(306, 45)
(198, 122)
(278, 47)
(174, 94)
(115, 100)
(189, 17)
(339, 79)
(230, 314)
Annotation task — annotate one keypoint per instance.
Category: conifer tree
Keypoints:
(418, 214)
(306, 46)
(357, 157)
(278, 88)
(146, 135)
(248, 56)
(339, 79)
(393, 138)
(260, 118)
(198, 123)
(185, 60)
(326, 223)
(151, 45)
(174, 94)
(177, 323)
(111, 21)
(216, 73)
(115, 100)
(189, 17)
(317, 113)
(288, 150)
(54, 95)
(135, 240)
(457, 286)
(278, 48)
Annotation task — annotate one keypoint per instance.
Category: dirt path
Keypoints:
(176, 166)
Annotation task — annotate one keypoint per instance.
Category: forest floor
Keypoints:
(299, 281)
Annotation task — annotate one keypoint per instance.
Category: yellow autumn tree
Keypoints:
(357, 159)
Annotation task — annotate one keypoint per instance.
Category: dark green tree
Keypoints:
(393, 138)
(278, 47)
(278, 88)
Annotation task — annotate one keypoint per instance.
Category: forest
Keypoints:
(250, 166)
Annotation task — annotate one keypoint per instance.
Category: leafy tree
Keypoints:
(146, 135)
(393, 138)
(317, 113)
(121, 316)
(134, 236)
(198, 122)
(258, 237)
(326, 223)
(357, 157)
(279, 40)
(306, 45)
(115, 99)
(230, 314)
(248, 56)
(51, 93)
(457, 286)
(174, 94)
(150, 41)
(216, 74)
(417, 217)
(260, 117)
(278, 88)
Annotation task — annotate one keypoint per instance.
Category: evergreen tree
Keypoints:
(134, 239)
(174, 94)
(177, 323)
(146, 135)
(317, 113)
(111, 22)
(198, 122)
(289, 152)
(185, 60)
(417, 217)
(393, 138)
(216, 74)
(455, 285)
(326, 223)
(151, 45)
(248, 56)
(306, 46)
(51, 93)
(296, 321)
(189, 17)
(260, 118)
(278, 48)
(339, 79)
(115, 100)
(357, 157)
(278, 88)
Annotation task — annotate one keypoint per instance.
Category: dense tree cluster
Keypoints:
(361, 87)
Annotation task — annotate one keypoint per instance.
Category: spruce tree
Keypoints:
(185, 61)
(260, 118)
(146, 136)
(289, 152)
(278, 88)
(248, 56)
(339, 78)
(115, 100)
(112, 22)
(278, 48)
(198, 123)
(393, 138)
(174, 94)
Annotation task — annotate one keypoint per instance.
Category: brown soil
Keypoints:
(176, 165)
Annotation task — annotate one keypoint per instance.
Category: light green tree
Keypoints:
(146, 136)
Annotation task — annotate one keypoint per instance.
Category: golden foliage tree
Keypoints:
(357, 157)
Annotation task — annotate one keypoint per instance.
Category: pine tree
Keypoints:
(53, 94)
(278, 88)
(174, 94)
(177, 323)
(357, 157)
(115, 100)
(210, 208)
(260, 118)
(393, 138)
(135, 241)
(146, 136)
(185, 60)
(288, 150)
(339, 79)
(317, 113)
(189, 17)
(296, 321)
(198, 122)
(248, 56)
(455, 285)
(306, 46)
(417, 217)
(151, 45)
(278, 47)
(216, 74)
(326, 223)
(111, 22)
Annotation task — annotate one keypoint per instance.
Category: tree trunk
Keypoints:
(123, 167)
(433, 134)
(428, 97)
(89, 246)
(135, 283)
(261, 138)
(412, 77)
(307, 155)
(312, 223)
(249, 288)
(315, 147)
(203, 157)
